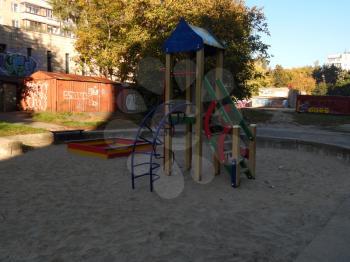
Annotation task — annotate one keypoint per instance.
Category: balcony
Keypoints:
(41, 19)
(39, 3)
(49, 31)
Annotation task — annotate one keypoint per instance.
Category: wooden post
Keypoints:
(188, 138)
(219, 68)
(252, 151)
(198, 115)
(167, 133)
(236, 152)
(218, 75)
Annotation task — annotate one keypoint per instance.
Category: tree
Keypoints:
(301, 79)
(329, 74)
(321, 89)
(342, 88)
(115, 35)
(262, 76)
(280, 76)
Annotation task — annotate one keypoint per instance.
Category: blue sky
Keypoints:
(305, 31)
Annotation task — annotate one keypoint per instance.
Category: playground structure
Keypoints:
(223, 123)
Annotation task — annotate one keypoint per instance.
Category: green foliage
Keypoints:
(329, 74)
(262, 76)
(297, 78)
(82, 120)
(256, 115)
(280, 76)
(340, 89)
(9, 129)
(321, 89)
(332, 80)
(325, 120)
(114, 35)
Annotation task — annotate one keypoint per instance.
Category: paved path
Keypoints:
(307, 134)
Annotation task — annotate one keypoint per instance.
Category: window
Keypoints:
(15, 23)
(2, 48)
(49, 29)
(52, 29)
(35, 26)
(67, 63)
(49, 13)
(49, 61)
(29, 52)
(32, 9)
(14, 7)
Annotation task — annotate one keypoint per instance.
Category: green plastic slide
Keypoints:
(231, 116)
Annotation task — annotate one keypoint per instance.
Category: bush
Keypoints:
(341, 89)
(320, 90)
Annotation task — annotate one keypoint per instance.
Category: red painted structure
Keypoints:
(58, 92)
(107, 148)
(339, 105)
(222, 136)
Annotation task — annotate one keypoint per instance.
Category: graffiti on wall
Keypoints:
(91, 96)
(36, 96)
(14, 64)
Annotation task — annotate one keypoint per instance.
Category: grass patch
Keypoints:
(9, 129)
(320, 119)
(76, 120)
(256, 115)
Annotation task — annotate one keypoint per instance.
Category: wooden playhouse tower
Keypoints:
(197, 42)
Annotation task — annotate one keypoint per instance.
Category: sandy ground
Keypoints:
(55, 206)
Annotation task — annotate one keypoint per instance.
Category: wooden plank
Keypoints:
(252, 151)
(198, 114)
(218, 75)
(236, 151)
(217, 164)
(167, 98)
(188, 143)
(219, 70)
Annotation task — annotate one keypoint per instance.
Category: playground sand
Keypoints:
(55, 206)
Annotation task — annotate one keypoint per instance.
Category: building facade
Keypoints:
(340, 60)
(32, 39)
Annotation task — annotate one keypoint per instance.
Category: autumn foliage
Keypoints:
(114, 35)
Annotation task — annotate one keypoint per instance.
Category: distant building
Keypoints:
(32, 39)
(340, 60)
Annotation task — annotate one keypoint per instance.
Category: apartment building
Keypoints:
(340, 60)
(32, 39)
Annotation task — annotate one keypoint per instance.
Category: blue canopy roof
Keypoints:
(189, 38)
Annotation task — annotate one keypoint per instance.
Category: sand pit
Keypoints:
(56, 206)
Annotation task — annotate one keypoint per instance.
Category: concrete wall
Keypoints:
(274, 92)
(18, 41)
(275, 97)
